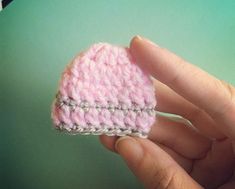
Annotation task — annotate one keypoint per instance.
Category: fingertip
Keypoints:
(122, 141)
(139, 40)
(108, 142)
(135, 41)
(145, 54)
(130, 150)
(137, 47)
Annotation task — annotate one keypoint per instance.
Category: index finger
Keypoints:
(194, 84)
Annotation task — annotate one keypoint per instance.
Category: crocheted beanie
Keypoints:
(103, 91)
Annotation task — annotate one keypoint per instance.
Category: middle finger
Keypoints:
(181, 138)
(171, 102)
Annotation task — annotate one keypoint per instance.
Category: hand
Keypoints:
(176, 156)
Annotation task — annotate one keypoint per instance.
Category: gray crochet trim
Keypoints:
(85, 106)
(105, 130)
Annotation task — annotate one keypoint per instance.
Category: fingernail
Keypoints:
(129, 148)
(150, 42)
(138, 37)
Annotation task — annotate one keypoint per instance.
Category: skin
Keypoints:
(176, 156)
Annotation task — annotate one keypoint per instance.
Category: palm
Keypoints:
(211, 164)
(203, 151)
(216, 167)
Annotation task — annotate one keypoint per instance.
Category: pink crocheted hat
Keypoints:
(103, 91)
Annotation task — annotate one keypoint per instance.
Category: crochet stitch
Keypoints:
(103, 91)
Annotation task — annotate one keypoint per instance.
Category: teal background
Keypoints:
(37, 40)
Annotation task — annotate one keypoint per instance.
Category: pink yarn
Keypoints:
(103, 91)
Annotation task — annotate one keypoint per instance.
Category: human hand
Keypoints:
(176, 156)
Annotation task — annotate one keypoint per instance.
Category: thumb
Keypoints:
(153, 166)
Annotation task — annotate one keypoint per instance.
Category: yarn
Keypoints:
(103, 91)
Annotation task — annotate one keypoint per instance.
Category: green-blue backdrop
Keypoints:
(37, 40)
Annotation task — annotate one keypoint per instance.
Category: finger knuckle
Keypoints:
(194, 114)
(229, 93)
(165, 178)
(177, 77)
(230, 89)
